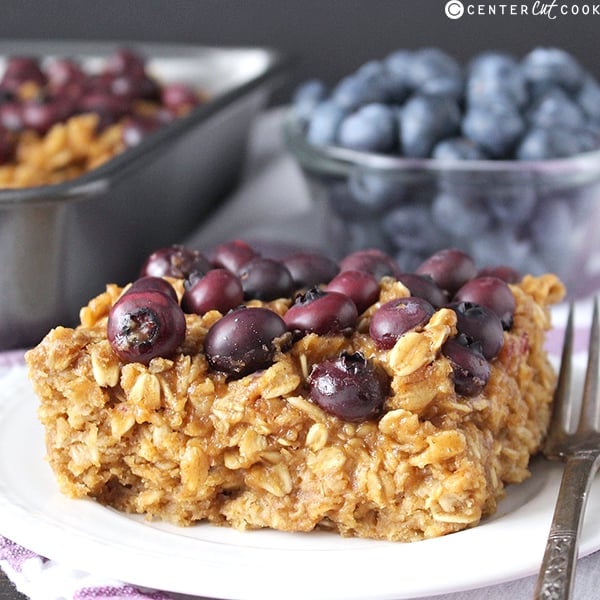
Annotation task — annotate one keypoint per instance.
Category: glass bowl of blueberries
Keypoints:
(499, 157)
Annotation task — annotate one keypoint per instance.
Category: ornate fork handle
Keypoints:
(555, 581)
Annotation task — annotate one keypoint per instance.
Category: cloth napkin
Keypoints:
(271, 199)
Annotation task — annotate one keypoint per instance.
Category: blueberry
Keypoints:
(321, 312)
(409, 227)
(397, 66)
(501, 245)
(470, 369)
(307, 96)
(244, 340)
(491, 292)
(447, 87)
(374, 192)
(309, 269)
(496, 127)
(494, 63)
(546, 67)
(429, 64)
(408, 260)
(233, 255)
(424, 121)
(503, 272)
(372, 128)
(553, 108)
(265, 279)
(175, 261)
(145, 324)
(350, 387)
(396, 317)
(479, 324)
(218, 290)
(546, 143)
(371, 260)
(450, 268)
(513, 207)
(495, 76)
(324, 123)
(365, 233)
(589, 98)
(552, 232)
(398, 63)
(513, 202)
(154, 284)
(360, 286)
(424, 287)
(356, 90)
(458, 148)
(461, 214)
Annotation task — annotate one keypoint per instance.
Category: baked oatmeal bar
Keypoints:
(182, 440)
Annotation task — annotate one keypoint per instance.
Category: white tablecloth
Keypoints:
(272, 204)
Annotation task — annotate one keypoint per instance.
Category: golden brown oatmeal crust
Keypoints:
(176, 441)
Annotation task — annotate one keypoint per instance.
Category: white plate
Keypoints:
(224, 563)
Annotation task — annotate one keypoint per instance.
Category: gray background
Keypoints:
(329, 38)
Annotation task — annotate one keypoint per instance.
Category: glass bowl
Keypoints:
(534, 216)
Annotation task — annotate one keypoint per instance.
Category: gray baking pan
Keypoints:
(60, 244)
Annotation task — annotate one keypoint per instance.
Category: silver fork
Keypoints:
(581, 452)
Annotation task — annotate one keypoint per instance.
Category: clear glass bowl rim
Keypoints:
(338, 161)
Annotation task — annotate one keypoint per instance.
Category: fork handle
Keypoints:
(556, 576)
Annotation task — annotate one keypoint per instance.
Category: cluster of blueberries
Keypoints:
(326, 298)
(423, 104)
(36, 94)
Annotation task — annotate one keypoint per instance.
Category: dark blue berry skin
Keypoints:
(265, 279)
(450, 268)
(513, 204)
(410, 228)
(424, 121)
(356, 90)
(175, 261)
(144, 324)
(496, 127)
(372, 128)
(504, 272)
(396, 67)
(491, 292)
(424, 287)
(349, 387)
(307, 96)
(548, 143)
(470, 369)
(547, 67)
(396, 317)
(493, 77)
(446, 87)
(373, 193)
(321, 312)
(460, 213)
(556, 108)
(431, 64)
(309, 269)
(458, 148)
(244, 340)
(324, 123)
(371, 260)
(479, 324)
(361, 287)
(588, 99)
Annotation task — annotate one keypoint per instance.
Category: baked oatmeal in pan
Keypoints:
(300, 393)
